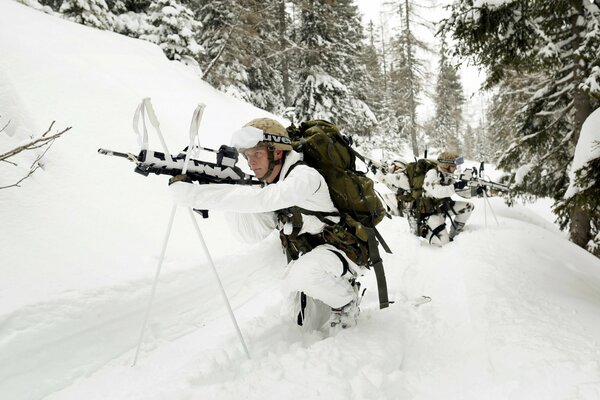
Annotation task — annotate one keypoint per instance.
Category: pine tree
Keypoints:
(243, 50)
(326, 37)
(469, 143)
(265, 82)
(350, 42)
(448, 103)
(219, 18)
(93, 13)
(406, 75)
(561, 39)
(174, 27)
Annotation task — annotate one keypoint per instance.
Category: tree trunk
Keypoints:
(580, 226)
(412, 95)
(285, 76)
(580, 229)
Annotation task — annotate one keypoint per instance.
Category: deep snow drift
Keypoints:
(515, 311)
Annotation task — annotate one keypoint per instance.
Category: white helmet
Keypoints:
(262, 132)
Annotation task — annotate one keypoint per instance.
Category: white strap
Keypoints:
(194, 127)
(147, 107)
(142, 138)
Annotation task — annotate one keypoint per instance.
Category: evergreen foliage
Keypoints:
(469, 144)
(241, 41)
(93, 13)
(386, 134)
(328, 52)
(561, 40)
(449, 99)
(173, 29)
(407, 75)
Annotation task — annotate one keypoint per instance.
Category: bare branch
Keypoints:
(42, 141)
(4, 127)
(35, 143)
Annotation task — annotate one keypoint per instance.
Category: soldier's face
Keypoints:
(258, 161)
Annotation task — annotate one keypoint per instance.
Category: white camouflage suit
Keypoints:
(252, 209)
(439, 185)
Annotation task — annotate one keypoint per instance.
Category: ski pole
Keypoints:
(223, 294)
(194, 127)
(154, 284)
(485, 196)
(146, 105)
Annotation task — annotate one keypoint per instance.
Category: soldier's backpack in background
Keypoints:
(413, 198)
(352, 192)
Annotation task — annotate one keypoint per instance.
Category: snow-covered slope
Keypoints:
(515, 311)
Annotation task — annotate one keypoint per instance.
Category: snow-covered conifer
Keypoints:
(242, 43)
(560, 39)
(88, 12)
(325, 89)
(448, 121)
(407, 74)
(173, 29)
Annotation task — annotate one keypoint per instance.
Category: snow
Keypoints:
(588, 149)
(515, 311)
(491, 3)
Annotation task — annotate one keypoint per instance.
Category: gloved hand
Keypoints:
(179, 178)
(477, 190)
(467, 175)
(373, 168)
(460, 185)
(182, 192)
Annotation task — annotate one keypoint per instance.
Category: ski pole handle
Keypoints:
(150, 112)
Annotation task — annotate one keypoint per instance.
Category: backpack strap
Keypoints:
(382, 242)
(376, 262)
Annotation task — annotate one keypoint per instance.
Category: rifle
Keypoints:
(204, 172)
(473, 179)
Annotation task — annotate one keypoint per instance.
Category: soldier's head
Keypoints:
(448, 161)
(264, 143)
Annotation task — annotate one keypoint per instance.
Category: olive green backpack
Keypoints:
(352, 192)
(415, 172)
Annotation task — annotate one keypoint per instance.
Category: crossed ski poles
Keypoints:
(145, 109)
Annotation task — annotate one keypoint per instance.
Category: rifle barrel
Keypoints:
(494, 185)
(107, 152)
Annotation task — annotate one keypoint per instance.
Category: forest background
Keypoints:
(306, 59)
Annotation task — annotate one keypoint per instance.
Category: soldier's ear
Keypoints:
(278, 154)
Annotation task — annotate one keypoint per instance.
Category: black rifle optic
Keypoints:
(472, 178)
(204, 172)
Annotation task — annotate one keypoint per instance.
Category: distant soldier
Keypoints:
(439, 185)
(424, 189)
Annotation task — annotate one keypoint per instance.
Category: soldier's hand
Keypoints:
(477, 190)
(373, 168)
(179, 178)
(460, 185)
(467, 175)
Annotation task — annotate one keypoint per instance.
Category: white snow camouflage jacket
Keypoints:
(253, 208)
(438, 185)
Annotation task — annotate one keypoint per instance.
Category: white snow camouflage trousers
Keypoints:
(459, 211)
(320, 275)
